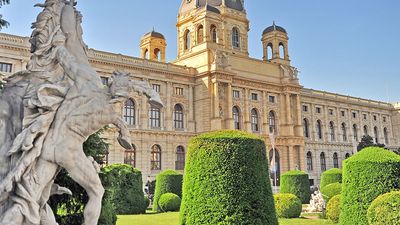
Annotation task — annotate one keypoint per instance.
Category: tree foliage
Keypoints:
(70, 208)
(3, 23)
(296, 182)
(368, 141)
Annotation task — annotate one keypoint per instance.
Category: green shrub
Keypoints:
(333, 209)
(366, 175)
(126, 186)
(331, 176)
(108, 214)
(169, 202)
(331, 190)
(297, 183)
(227, 181)
(385, 209)
(168, 181)
(287, 205)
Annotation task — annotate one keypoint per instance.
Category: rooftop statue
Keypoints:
(46, 114)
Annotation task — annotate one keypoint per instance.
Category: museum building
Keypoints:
(214, 84)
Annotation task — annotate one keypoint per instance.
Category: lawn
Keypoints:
(172, 219)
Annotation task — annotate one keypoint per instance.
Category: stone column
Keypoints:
(288, 111)
(229, 120)
(168, 124)
(245, 110)
(292, 158)
(191, 126)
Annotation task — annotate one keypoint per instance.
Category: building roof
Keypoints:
(154, 34)
(274, 27)
(189, 5)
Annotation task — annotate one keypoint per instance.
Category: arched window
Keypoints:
(347, 155)
(386, 135)
(376, 134)
(155, 157)
(254, 121)
(344, 132)
(335, 160)
(213, 32)
(130, 156)
(186, 40)
(355, 132)
(178, 116)
(332, 130)
(319, 129)
(282, 50)
(365, 130)
(309, 161)
(200, 34)
(306, 128)
(146, 54)
(275, 167)
(157, 54)
(270, 53)
(129, 112)
(236, 117)
(155, 117)
(323, 162)
(235, 38)
(180, 158)
(272, 122)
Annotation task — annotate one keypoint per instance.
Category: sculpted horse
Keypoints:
(48, 112)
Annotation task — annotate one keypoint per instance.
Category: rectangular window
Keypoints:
(384, 119)
(155, 117)
(254, 96)
(104, 81)
(365, 116)
(305, 108)
(157, 88)
(375, 118)
(343, 113)
(5, 67)
(354, 115)
(236, 94)
(331, 112)
(179, 91)
(318, 109)
(271, 99)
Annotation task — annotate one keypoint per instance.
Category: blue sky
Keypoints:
(343, 46)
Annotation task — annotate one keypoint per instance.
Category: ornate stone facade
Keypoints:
(214, 84)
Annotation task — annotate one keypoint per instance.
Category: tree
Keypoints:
(368, 141)
(70, 208)
(3, 23)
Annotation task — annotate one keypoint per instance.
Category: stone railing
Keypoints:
(344, 98)
(138, 62)
(14, 40)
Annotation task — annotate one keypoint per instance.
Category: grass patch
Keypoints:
(153, 218)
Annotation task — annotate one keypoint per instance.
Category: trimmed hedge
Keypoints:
(333, 209)
(331, 176)
(331, 190)
(297, 183)
(169, 202)
(168, 181)
(366, 175)
(227, 181)
(126, 188)
(385, 209)
(108, 214)
(287, 205)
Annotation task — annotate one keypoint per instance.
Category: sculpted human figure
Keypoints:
(49, 111)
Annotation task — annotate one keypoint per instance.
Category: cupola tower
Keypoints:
(275, 44)
(153, 46)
